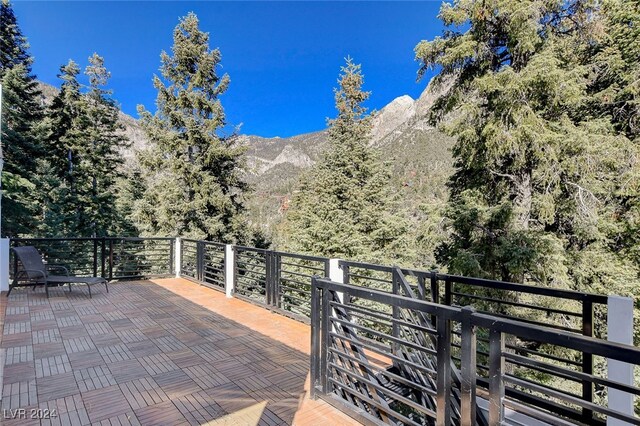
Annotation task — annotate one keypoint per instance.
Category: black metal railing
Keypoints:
(203, 261)
(274, 279)
(114, 258)
(189, 259)
(564, 310)
(405, 371)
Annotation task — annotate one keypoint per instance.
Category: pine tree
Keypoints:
(84, 159)
(533, 194)
(191, 172)
(21, 117)
(101, 154)
(60, 209)
(13, 45)
(343, 206)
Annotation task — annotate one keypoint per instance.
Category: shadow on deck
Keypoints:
(153, 352)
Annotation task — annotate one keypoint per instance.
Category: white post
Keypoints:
(178, 256)
(4, 264)
(336, 275)
(229, 269)
(620, 330)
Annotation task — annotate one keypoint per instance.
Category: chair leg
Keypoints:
(106, 286)
(46, 289)
(69, 284)
(89, 286)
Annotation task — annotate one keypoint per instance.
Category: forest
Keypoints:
(541, 99)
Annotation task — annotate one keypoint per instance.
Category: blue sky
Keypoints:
(283, 57)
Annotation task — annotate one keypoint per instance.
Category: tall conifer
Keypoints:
(21, 116)
(343, 206)
(84, 157)
(543, 177)
(191, 171)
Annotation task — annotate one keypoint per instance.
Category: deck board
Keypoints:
(154, 352)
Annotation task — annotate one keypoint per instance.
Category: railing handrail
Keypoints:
(483, 282)
(468, 318)
(92, 238)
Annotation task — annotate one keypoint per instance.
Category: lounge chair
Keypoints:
(34, 272)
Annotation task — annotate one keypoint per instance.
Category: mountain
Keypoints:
(132, 129)
(418, 153)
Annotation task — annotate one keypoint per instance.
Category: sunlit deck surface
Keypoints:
(154, 352)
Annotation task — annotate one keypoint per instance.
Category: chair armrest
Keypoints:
(32, 271)
(59, 267)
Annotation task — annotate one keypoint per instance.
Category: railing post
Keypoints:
(468, 369)
(199, 261)
(435, 288)
(496, 371)
(587, 359)
(325, 314)
(620, 330)
(4, 264)
(111, 259)
(395, 311)
(102, 258)
(268, 279)
(276, 279)
(447, 291)
(443, 379)
(178, 257)
(337, 275)
(95, 257)
(229, 270)
(315, 338)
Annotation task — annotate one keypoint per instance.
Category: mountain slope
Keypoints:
(418, 154)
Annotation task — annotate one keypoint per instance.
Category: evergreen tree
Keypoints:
(84, 161)
(191, 173)
(343, 206)
(21, 117)
(60, 209)
(101, 155)
(533, 196)
(13, 45)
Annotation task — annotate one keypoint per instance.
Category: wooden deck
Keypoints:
(159, 352)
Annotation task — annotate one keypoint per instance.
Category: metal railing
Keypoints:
(114, 258)
(564, 310)
(404, 372)
(275, 279)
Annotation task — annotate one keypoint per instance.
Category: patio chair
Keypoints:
(34, 272)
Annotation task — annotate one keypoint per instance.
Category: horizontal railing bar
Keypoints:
(519, 304)
(288, 296)
(370, 401)
(384, 372)
(250, 249)
(571, 399)
(569, 374)
(298, 274)
(302, 283)
(383, 390)
(364, 277)
(387, 319)
(295, 290)
(301, 256)
(297, 265)
(525, 288)
(384, 336)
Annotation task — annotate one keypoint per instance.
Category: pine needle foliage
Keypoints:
(21, 117)
(343, 206)
(543, 102)
(84, 143)
(191, 173)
